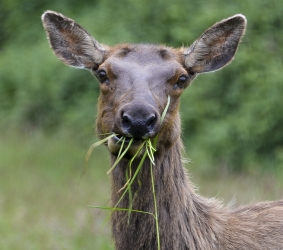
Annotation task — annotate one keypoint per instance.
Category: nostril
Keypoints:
(126, 120)
(151, 120)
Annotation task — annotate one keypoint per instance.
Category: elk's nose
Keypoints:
(138, 122)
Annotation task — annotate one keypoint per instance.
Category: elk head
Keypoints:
(136, 79)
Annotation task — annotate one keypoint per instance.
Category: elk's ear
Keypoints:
(71, 43)
(216, 47)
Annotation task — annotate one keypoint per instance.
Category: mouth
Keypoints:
(132, 145)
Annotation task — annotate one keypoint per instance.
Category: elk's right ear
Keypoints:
(71, 43)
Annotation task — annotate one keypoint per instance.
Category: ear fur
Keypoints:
(217, 46)
(71, 43)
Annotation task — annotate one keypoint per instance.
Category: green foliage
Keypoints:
(233, 117)
(43, 204)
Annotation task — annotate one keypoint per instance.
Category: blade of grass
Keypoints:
(161, 120)
(132, 180)
(121, 148)
(155, 208)
(121, 156)
(149, 154)
(165, 110)
(130, 165)
(128, 182)
(122, 209)
(129, 185)
(94, 145)
(150, 151)
(122, 145)
(130, 198)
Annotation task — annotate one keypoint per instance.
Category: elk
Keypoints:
(135, 83)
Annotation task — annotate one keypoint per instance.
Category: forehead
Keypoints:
(140, 58)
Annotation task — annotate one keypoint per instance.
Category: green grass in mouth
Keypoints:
(149, 150)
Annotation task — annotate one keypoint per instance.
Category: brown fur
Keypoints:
(136, 81)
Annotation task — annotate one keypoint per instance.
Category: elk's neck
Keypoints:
(180, 209)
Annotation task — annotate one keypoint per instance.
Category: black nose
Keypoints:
(139, 121)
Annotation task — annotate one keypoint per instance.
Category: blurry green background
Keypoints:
(232, 119)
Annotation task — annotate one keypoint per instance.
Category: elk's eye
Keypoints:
(101, 75)
(182, 81)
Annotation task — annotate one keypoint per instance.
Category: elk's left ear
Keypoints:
(216, 47)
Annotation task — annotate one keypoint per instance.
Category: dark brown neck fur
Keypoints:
(188, 221)
(183, 215)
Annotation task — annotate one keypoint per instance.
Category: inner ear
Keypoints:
(216, 47)
(71, 43)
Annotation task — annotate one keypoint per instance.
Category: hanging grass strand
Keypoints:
(122, 209)
(155, 208)
(149, 148)
(162, 119)
(130, 166)
(132, 180)
(122, 145)
(130, 196)
(94, 145)
(150, 151)
(121, 156)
